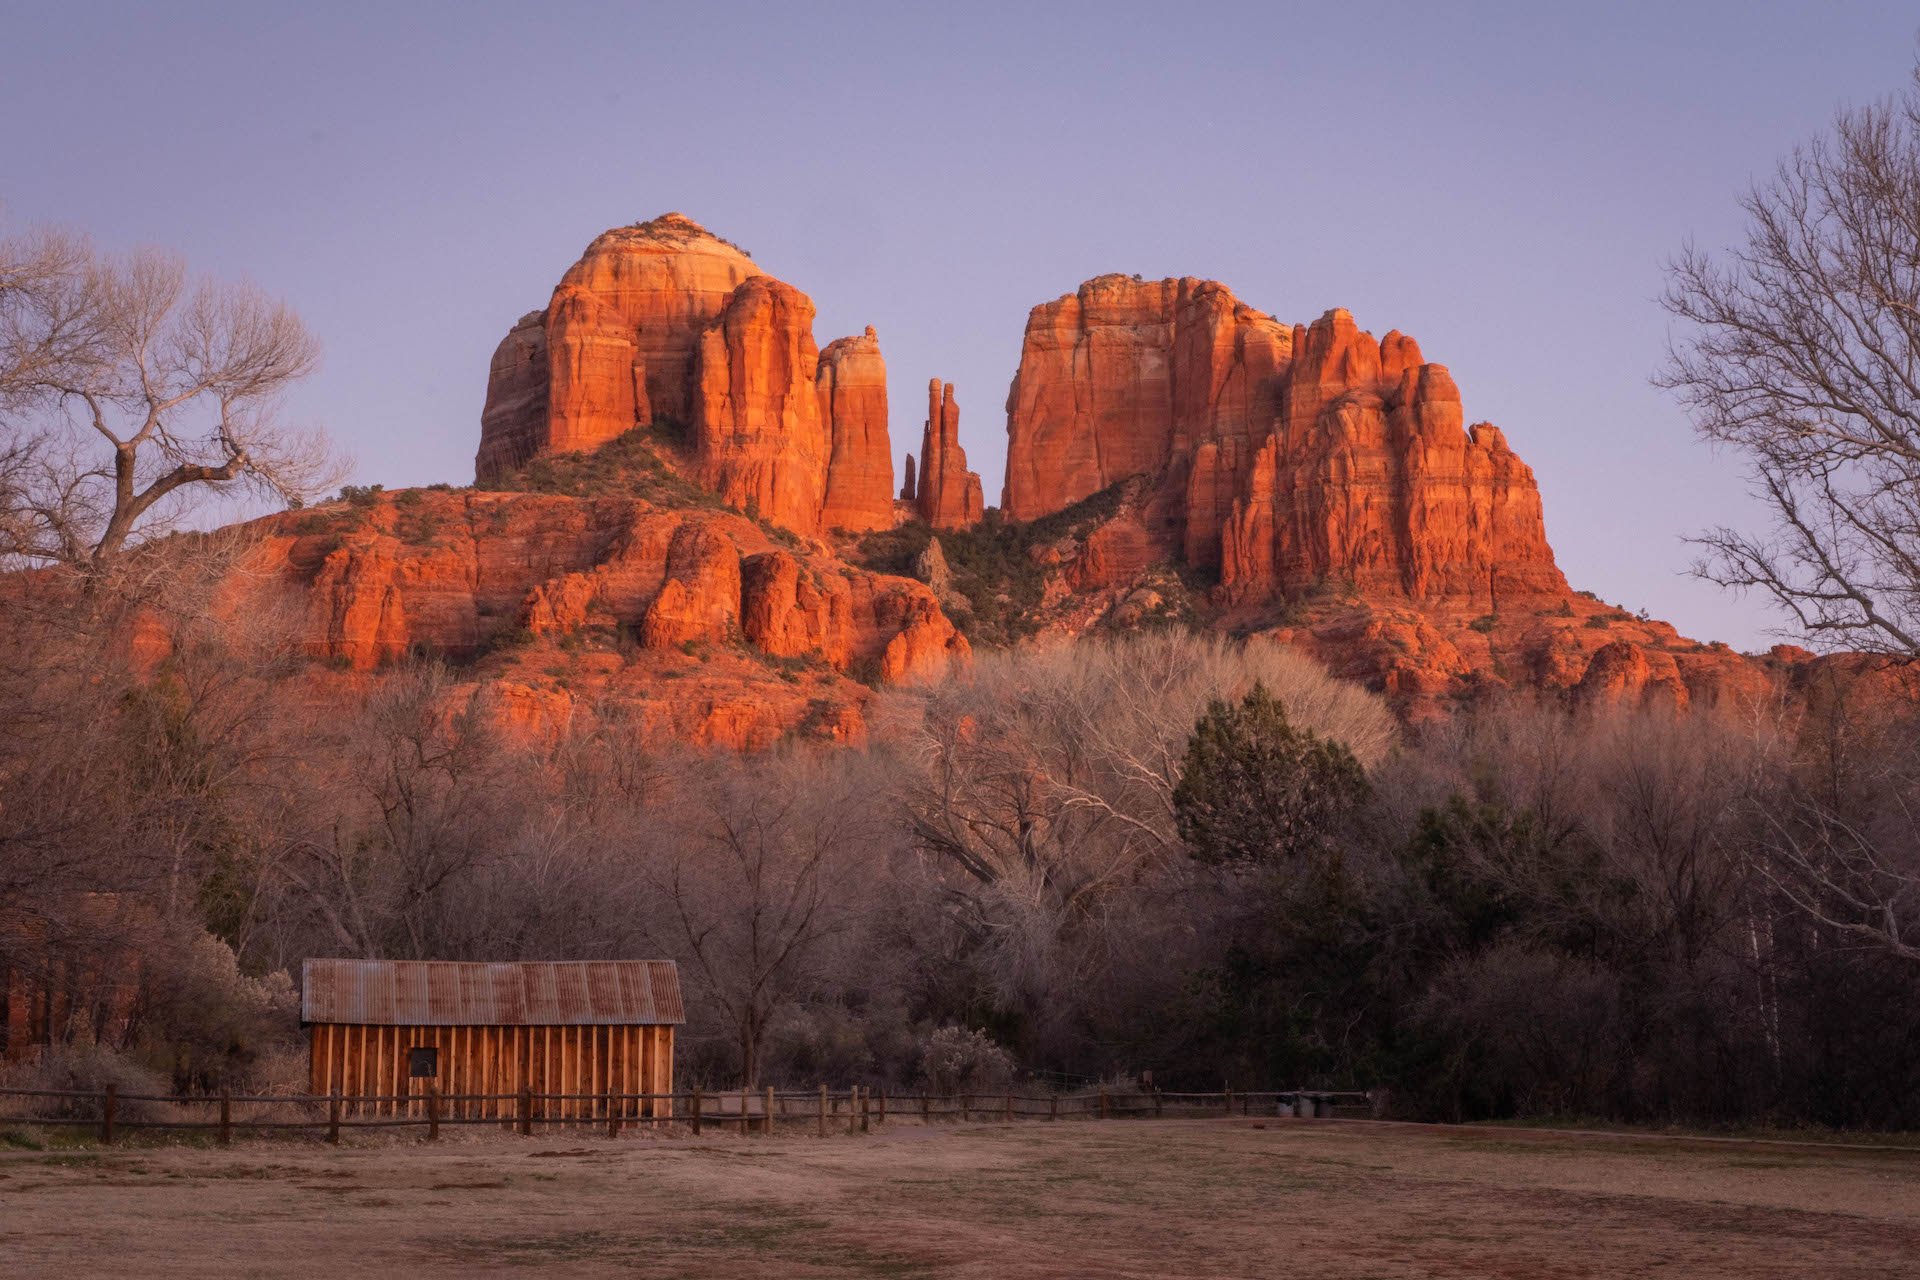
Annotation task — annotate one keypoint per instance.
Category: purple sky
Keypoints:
(1501, 181)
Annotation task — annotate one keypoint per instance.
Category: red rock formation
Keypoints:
(1370, 478)
(757, 430)
(495, 579)
(664, 321)
(513, 425)
(1623, 673)
(907, 490)
(949, 495)
(617, 340)
(790, 612)
(1128, 377)
(926, 645)
(700, 599)
(1282, 458)
(852, 384)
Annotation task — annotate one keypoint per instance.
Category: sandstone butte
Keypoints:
(1327, 488)
(664, 322)
(628, 582)
(1193, 457)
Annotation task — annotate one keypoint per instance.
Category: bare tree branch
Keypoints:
(176, 384)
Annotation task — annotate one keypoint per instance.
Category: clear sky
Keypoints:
(1501, 181)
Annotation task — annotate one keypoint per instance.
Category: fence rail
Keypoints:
(743, 1110)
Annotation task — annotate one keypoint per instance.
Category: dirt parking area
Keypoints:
(1168, 1198)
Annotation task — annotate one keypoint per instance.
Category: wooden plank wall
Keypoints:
(371, 1061)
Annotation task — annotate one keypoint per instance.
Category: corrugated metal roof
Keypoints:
(443, 993)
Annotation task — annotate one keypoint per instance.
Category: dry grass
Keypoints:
(1188, 1198)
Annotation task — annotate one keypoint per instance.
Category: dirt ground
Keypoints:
(1121, 1198)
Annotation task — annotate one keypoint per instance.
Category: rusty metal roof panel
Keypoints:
(664, 978)
(459, 993)
(603, 990)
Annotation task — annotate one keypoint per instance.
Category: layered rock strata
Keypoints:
(665, 323)
(1328, 487)
(852, 384)
(505, 583)
(1279, 457)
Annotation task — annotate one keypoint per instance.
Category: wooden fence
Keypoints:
(744, 1111)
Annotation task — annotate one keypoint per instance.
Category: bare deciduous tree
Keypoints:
(1042, 786)
(126, 388)
(1801, 350)
(406, 810)
(756, 882)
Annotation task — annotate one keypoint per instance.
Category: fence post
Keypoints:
(883, 1104)
(853, 1110)
(745, 1106)
(226, 1118)
(433, 1112)
(613, 1114)
(1007, 1114)
(333, 1115)
(1156, 1104)
(1229, 1103)
(823, 1110)
(926, 1108)
(109, 1103)
(1053, 1106)
(1103, 1102)
(526, 1111)
(866, 1108)
(696, 1111)
(767, 1126)
(966, 1112)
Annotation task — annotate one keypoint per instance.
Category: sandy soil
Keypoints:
(1121, 1198)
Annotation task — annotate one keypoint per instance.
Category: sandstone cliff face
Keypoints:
(948, 495)
(852, 385)
(664, 322)
(1371, 477)
(617, 342)
(1328, 485)
(712, 632)
(1126, 377)
(513, 425)
(1278, 457)
(757, 429)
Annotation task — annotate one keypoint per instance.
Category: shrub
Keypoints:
(957, 1060)
(87, 1068)
(992, 563)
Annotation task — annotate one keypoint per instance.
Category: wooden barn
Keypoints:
(395, 1028)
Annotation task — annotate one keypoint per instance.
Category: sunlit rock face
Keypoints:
(1320, 487)
(614, 347)
(1279, 456)
(852, 385)
(666, 323)
(948, 495)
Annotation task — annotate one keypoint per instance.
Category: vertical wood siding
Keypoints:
(583, 1062)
